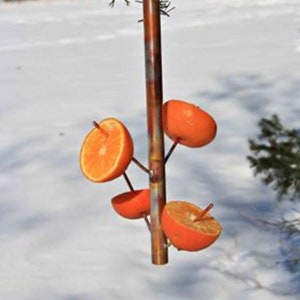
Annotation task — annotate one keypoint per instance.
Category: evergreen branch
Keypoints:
(276, 157)
(164, 6)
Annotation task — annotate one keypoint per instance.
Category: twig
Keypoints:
(112, 3)
(164, 7)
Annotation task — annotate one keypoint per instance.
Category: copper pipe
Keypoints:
(152, 39)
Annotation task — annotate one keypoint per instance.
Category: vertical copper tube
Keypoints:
(152, 36)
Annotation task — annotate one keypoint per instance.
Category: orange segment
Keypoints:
(133, 204)
(187, 124)
(106, 151)
(185, 229)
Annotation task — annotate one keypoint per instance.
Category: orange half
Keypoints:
(106, 151)
(133, 204)
(181, 226)
(188, 124)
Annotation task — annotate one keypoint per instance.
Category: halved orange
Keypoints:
(188, 124)
(106, 151)
(133, 204)
(182, 224)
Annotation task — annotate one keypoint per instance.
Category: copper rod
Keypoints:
(153, 68)
(147, 222)
(204, 212)
(140, 165)
(128, 181)
(96, 125)
(171, 150)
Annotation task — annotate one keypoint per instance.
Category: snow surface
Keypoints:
(66, 63)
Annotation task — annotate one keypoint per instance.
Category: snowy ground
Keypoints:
(64, 64)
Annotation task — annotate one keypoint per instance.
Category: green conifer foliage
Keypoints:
(275, 156)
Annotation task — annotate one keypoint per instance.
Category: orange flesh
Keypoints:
(106, 151)
(182, 224)
(186, 214)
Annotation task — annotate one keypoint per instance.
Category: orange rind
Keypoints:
(187, 124)
(133, 204)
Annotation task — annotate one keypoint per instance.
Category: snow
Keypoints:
(66, 63)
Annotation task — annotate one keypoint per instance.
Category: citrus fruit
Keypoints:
(133, 204)
(106, 151)
(187, 124)
(187, 229)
